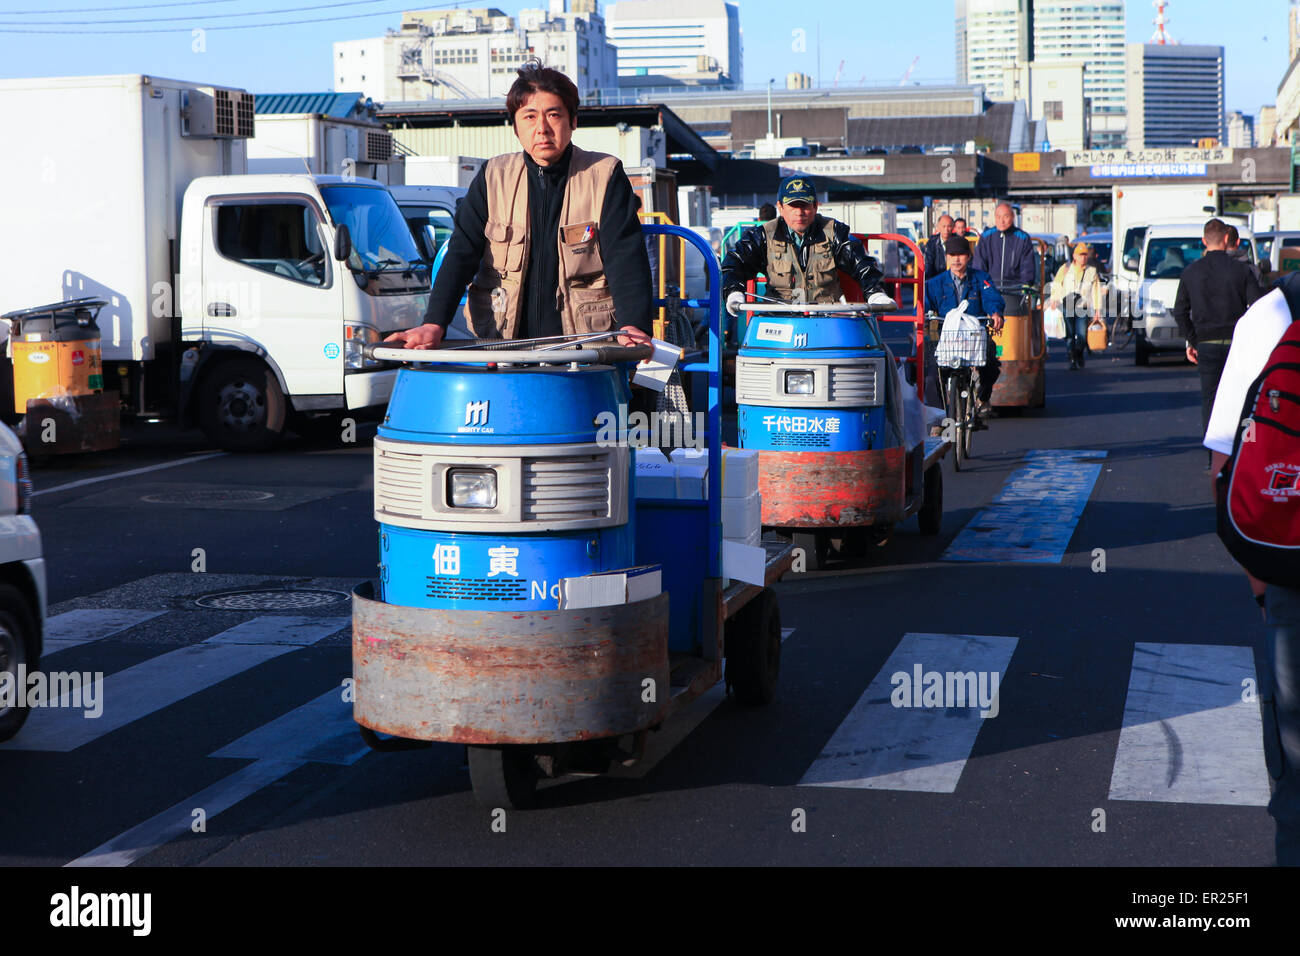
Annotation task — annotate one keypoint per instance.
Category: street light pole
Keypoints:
(769, 107)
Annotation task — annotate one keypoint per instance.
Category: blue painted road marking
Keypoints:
(1034, 515)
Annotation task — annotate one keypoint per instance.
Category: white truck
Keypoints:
(1288, 213)
(240, 301)
(1133, 206)
(454, 171)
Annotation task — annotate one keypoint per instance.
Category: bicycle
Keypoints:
(959, 356)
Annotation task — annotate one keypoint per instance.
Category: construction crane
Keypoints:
(837, 75)
(908, 72)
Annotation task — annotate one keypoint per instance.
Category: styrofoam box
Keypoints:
(739, 472)
(655, 479)
(742, 517)
(692, 481)
(754, 540)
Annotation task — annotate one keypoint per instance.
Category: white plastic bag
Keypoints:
(1054, 323)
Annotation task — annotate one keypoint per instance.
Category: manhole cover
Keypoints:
(281, 599)
(206, 496)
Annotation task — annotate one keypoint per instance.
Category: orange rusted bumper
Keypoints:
(832, 489)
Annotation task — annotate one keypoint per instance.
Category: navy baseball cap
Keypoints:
(796, 189)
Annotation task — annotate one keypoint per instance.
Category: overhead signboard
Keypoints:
(1216, 156)
(833, 167)
(1026, 162)
(1146, 170)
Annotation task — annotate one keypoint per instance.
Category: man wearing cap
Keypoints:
(800, 253)
(959, 282)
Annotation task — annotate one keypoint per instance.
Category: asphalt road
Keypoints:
(1120, 737)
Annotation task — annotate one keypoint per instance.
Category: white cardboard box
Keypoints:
(611, 587)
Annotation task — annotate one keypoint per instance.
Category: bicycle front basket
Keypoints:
(961, 347)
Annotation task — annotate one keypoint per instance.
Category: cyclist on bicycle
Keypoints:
(947, 290)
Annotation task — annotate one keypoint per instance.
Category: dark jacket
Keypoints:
(935, 258)
(983, 298)
(1213, 293)
(621, 249)
(748, 257)
(1006, 256)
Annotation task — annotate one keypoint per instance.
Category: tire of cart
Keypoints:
(753, 650)
(503, 777)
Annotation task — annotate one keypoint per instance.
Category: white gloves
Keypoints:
(734, 302)
(880, 302)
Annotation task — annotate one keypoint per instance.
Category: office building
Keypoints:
(680, 41)
(993, 35)
(473, 54)
(1175, 94)
(1091, 33)
(1241, 130)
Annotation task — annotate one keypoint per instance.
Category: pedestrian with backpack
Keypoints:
(1254, 440)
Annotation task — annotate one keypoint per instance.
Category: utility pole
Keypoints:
(769, 107)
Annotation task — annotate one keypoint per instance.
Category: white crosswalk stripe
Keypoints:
(922, 744)
(1191, 733)
(320, 731)
(169, 678)
(86, 625)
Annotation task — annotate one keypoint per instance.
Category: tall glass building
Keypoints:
(677, 38)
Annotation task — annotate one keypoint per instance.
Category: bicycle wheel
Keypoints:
(970, 410)
(956, 415)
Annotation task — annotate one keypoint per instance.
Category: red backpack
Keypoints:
(1258, 490)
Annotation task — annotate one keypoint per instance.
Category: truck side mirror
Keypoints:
(342, 242)
(1131, 261)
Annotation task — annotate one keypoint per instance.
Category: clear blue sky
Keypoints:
(876, 39)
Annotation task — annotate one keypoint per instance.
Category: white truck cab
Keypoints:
(272, 280)
(22, 583)
(1149, 274)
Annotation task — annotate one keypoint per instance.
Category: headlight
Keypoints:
(798, 382)
(354, 337)
(472, 489)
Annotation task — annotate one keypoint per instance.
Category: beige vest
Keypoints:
(583, 295)
(821, 281)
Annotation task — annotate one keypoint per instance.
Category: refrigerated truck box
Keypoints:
(93, 197)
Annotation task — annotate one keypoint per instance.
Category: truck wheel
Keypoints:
(242, 407)
(930, 517)
(503, 777)
(17, 646)
(753, 649)
(1141, 351)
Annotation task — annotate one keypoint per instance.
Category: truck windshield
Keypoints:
(1167, 258)
(381, 240)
